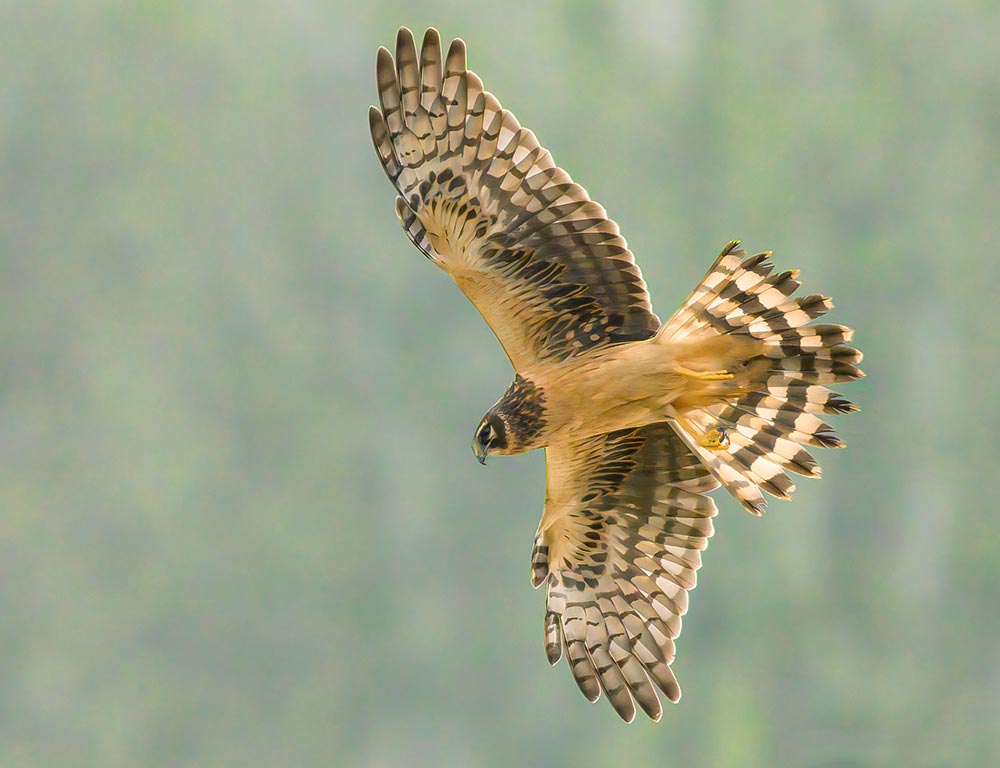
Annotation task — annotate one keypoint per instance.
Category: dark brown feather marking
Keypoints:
(481, 198)
(522, 411)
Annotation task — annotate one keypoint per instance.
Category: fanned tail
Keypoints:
(757, 429)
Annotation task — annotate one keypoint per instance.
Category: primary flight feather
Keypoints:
(639, 419)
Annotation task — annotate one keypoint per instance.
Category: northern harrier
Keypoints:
(639, 419)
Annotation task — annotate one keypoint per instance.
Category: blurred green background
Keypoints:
(240, 522)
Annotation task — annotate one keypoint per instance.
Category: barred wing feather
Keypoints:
(479, 196)
(626, 517)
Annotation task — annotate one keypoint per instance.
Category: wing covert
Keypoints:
(626, 518)
(479, 196)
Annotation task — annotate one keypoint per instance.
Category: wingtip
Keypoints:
(404, 35)
(457, 53)
(673, 692)
(374, 123)
(385, 67)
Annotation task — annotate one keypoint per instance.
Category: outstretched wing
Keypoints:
(626, 518)
(538, 258)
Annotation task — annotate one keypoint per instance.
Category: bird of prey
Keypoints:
(639, 419)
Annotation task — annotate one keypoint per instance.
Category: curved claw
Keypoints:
(704, 375)
(716, 439)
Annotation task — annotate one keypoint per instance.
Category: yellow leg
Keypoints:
(703, 375)
(715, 439)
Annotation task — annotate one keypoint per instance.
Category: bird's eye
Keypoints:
(485, 434)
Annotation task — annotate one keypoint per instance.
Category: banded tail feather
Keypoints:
(754, 435)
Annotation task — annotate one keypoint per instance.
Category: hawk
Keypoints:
(639, 419)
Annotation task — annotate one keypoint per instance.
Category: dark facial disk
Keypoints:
(490, 435)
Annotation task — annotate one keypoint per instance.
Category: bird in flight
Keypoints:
(639, 419)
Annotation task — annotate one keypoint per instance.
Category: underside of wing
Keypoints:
(626, 518)
(540, 260)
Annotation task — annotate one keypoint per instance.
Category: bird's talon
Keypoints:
(717, 376)
(704, 375)
(715, 439)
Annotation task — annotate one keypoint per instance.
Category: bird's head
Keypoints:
(490, 438)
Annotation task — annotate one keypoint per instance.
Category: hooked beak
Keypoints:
(481, 452)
